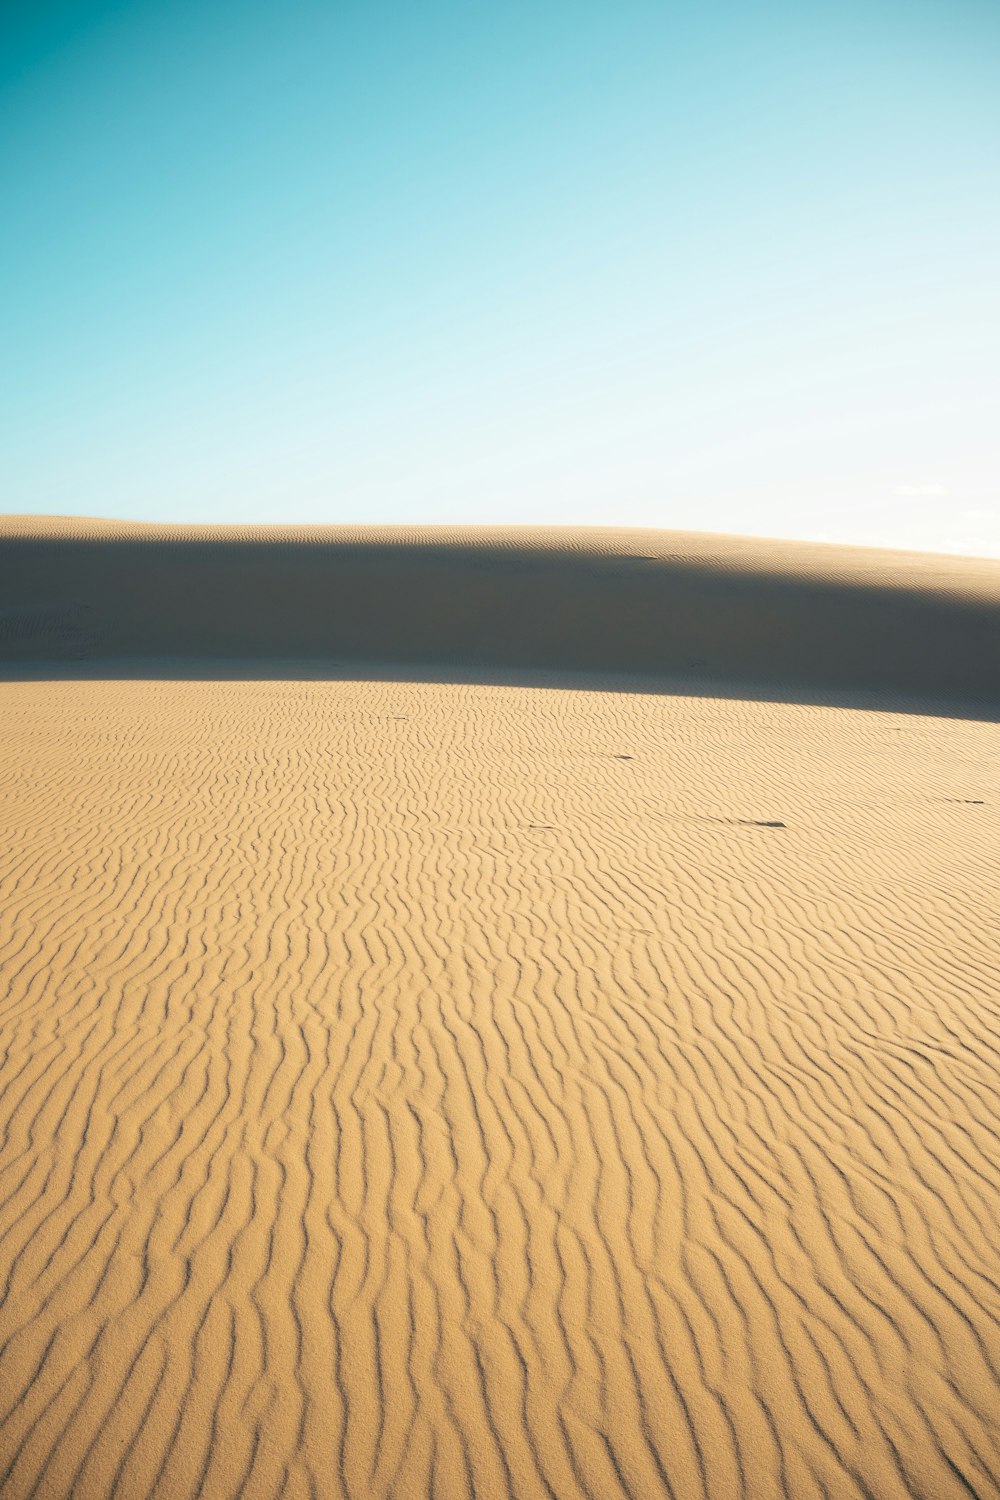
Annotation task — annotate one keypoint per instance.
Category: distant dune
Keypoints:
(601, 600)
(420, 1085)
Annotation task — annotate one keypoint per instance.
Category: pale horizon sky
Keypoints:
(724, 266)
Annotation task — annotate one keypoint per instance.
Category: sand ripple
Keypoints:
(423, 1090)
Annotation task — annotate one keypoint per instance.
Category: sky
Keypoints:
(723, 265)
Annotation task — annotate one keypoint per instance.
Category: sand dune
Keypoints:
(641, 602)
(425, 1088)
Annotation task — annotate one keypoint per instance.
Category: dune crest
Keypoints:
(450, 1089)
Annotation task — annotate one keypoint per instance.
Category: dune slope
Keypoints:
(464, 1090)
(641, 602)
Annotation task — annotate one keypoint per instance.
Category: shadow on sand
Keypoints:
(882, 633)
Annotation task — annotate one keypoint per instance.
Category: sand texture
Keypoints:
(451, 1089)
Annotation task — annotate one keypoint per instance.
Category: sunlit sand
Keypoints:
(500, 1074)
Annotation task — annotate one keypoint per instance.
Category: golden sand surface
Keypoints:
(465, 1089)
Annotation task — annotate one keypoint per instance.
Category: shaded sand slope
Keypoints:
(428, 1090)
(599, 600)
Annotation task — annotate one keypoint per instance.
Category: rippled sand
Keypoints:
(427, 1089)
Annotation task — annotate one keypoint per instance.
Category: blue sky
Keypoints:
(729, 265)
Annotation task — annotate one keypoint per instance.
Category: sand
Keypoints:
(732, 610)
(420, 1087)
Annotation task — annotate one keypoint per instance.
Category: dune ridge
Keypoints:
(594, 600)
(484, 1092)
